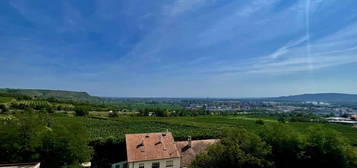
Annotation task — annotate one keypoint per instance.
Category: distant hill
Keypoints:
(322, 97)
(59, 94)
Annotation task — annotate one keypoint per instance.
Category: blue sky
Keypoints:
(180, 48)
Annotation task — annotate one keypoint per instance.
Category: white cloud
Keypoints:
(332, 50)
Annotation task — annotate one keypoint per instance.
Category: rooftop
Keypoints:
(188, 153)
(150, 146)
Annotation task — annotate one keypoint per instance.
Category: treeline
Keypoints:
(52, 104)
(15, 96)
(33, 137)
(279, 146)
(162, 112)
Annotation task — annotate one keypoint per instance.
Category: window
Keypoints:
(155, 165)
(117, 166)
(141, 165)
(170, 163)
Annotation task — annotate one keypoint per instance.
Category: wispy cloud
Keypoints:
(285, 49)
(256, 5)
(293, 57)
(181, 6)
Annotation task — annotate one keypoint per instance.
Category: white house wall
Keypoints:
(147, 164)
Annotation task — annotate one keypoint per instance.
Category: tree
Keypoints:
(19, 138)
(64, 146)
(328, 148)
(238, 148)
(3, 108)
(50, 109)
(113, 114)
(28, 139)
(317, 147)
(81, 111)
(286, 143)
(259, 121)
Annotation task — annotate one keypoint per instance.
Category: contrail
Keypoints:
(307, 28)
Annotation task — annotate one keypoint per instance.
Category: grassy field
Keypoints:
(197, 127)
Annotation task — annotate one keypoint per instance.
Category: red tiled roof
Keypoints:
(188, 154)
(146, 146)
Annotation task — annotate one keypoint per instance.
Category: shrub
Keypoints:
(238, 148)
(260, 122)
(113, 114)
(28, 139)
(3, 108)
(81, 111)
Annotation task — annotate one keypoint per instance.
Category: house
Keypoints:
(190, 149)
(152, 150)
(159, 150)
(86, 164)
(21, 165)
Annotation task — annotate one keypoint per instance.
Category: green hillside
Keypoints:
(323, 97)
(59, 94)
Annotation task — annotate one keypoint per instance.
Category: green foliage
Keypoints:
(286, 144)
(28, 138)
(328, 148)
(33, 104)
(81, 111)
(259, 121)
(5, 99)
(317, 147)
(65, 146)
(107, 151)
(113, 114)
(280, 146)
(3, 109)
(14, 95)
(238, 148)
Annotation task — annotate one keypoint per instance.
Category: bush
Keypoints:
(260, 122)
(3, 108)
(238, 148)
(286, 145)
(113, 114)
(50, 109)
(28, 139)
(81, 111)
(328, 148)
(317, 147)
(108, 151)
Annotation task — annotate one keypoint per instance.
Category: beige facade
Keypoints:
(163, 163)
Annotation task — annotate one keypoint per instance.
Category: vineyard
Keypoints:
(33, 103)
(5, 99)
(198, 127)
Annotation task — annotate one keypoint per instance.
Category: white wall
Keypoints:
(147, 164)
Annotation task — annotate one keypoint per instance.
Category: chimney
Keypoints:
(141, 142)
(189, 141)
(159, 140)
(166, 132)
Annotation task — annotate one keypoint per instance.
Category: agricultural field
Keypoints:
(198, 127)
(5, 99)
(33, 102)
